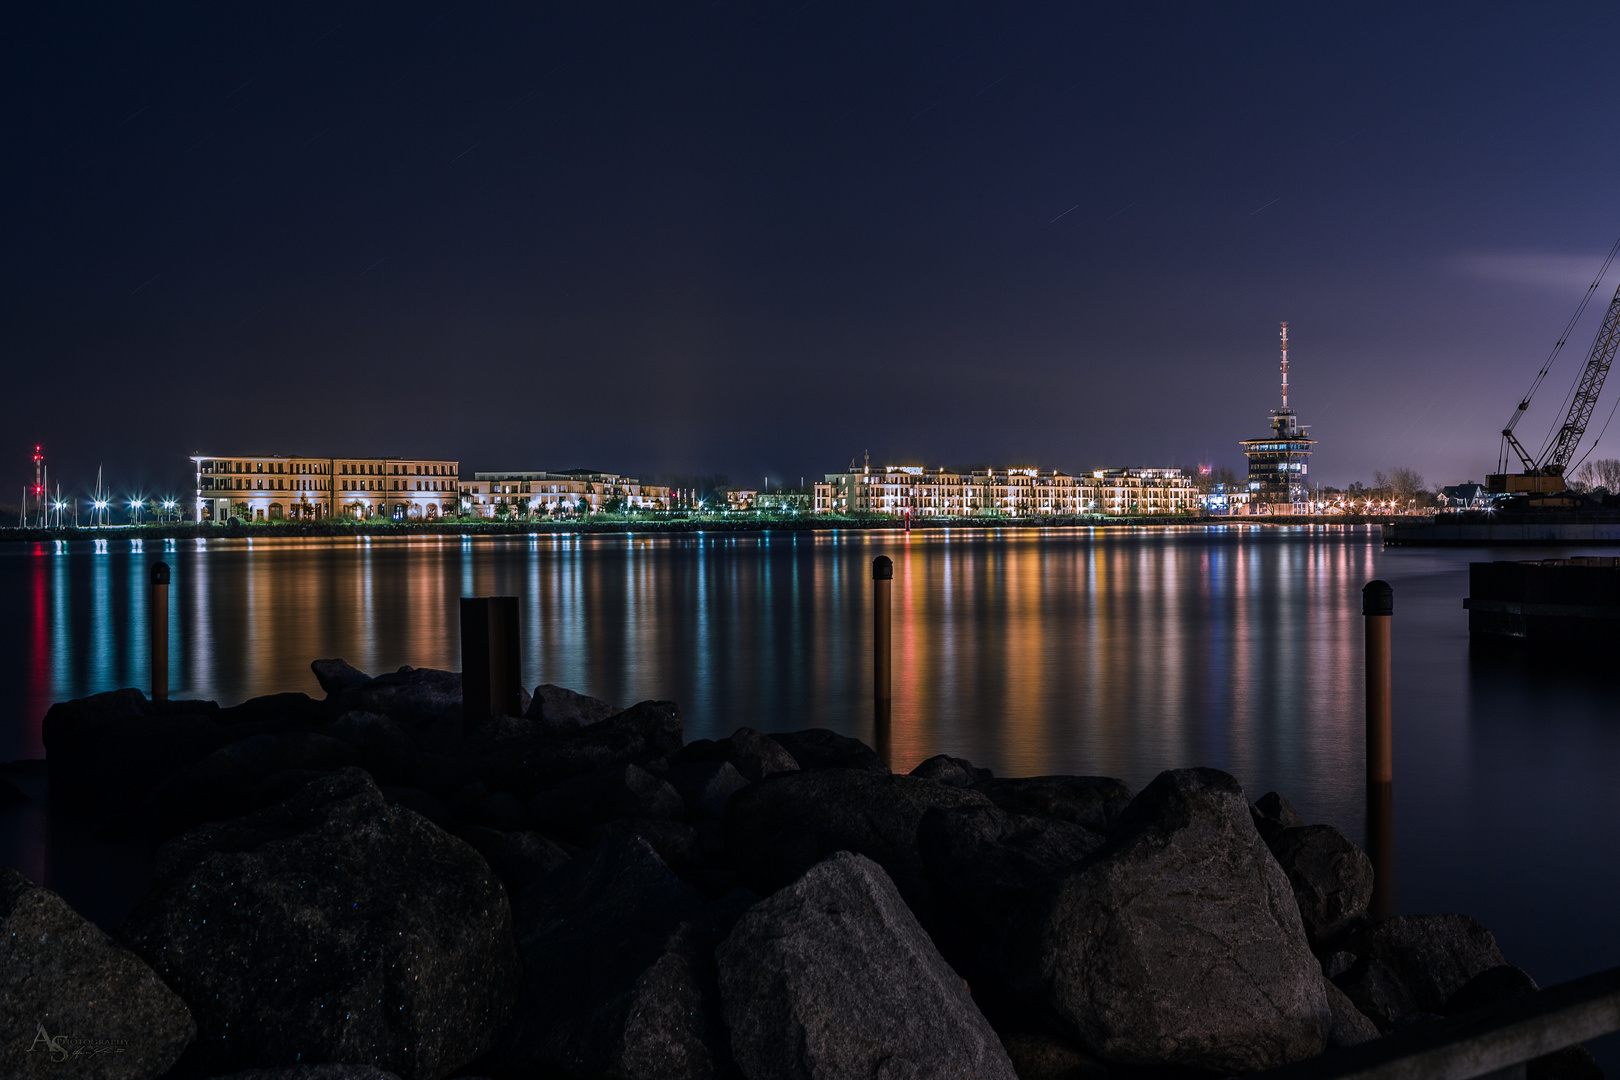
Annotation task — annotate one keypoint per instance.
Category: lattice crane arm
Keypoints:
(1562, 449)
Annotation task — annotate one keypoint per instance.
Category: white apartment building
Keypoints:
(275, 487)
(553, 492)
(1013, 492)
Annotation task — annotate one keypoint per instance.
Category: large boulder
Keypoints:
(756, 755)
(1434, 956)
(992, 875)
(1351, 1026)
(618, 972)
(575, 806)
(955, 771)
(337, 676)
(1378, 993)
(67, 988)
(333, 927)
(232, 780)
(657, 724)
(530, 757)
(707, 786)
(832, 977)
(752, 754)
(563, 708)
(819, 748)
(520, 858)
(783, 825)
(111, 748)
(409, 695)
(1332, 878)
(1179, 942)
(1092, 801)
(1272, 813)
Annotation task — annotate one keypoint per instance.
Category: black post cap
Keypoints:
(160, 573)
(1377, 598)
(882, 568)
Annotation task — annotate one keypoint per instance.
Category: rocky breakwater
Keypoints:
(365, 886)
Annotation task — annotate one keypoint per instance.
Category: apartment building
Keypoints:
(1144, 491)
(275, 487)
(1012, 492)
(557, 492)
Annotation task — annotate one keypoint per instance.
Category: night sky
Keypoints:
(760, 238)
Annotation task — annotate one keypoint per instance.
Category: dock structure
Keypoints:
(1546, 601)
(1505, 529)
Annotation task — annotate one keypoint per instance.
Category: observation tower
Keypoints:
(1278, 463)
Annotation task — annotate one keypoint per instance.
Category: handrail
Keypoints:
(1493, 1039)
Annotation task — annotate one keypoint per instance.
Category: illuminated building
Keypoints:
(273, 488)
(1013, 492)
(1278, 463)
(552, 492)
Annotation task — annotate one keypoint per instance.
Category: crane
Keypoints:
(1544, 473)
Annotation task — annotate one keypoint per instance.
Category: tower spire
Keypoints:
(1285, 365)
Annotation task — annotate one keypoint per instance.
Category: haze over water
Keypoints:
(1115, 652)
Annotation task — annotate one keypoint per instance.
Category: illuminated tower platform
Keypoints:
(1278, 464)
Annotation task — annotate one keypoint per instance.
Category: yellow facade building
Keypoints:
(274, 488)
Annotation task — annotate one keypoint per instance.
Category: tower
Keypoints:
(39, 484)
(1278, 464)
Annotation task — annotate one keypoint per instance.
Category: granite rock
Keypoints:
(1378, 993)
(832, 977)
(992, 875)
(780, 827)
(332, 927)
(954, 771)
(1331, 877)
(819, 748)
(706, 786)
(1092, 801)
(337, 676)
(66, 985)
(563, 708)
(1433, 955)
(618, 963)
(1179, 942)
(408, 695)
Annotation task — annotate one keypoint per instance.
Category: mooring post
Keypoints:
(882, 687)
(1378, 609)
(491, 667)
(158, 630)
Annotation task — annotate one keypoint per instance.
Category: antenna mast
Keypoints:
(1285, 364)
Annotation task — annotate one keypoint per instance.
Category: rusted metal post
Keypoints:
(158, 630)
(882, 686)
(491, 671)
(1378, 610)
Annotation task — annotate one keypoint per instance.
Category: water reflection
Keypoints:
(1084, 650)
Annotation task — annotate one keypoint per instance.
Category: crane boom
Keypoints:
(1598, 361)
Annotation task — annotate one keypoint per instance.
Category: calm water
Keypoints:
(1082, 651)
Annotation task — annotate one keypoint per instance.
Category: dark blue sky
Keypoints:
(759, 238)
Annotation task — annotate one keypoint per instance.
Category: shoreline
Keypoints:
(374, 529)
(597, 864)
